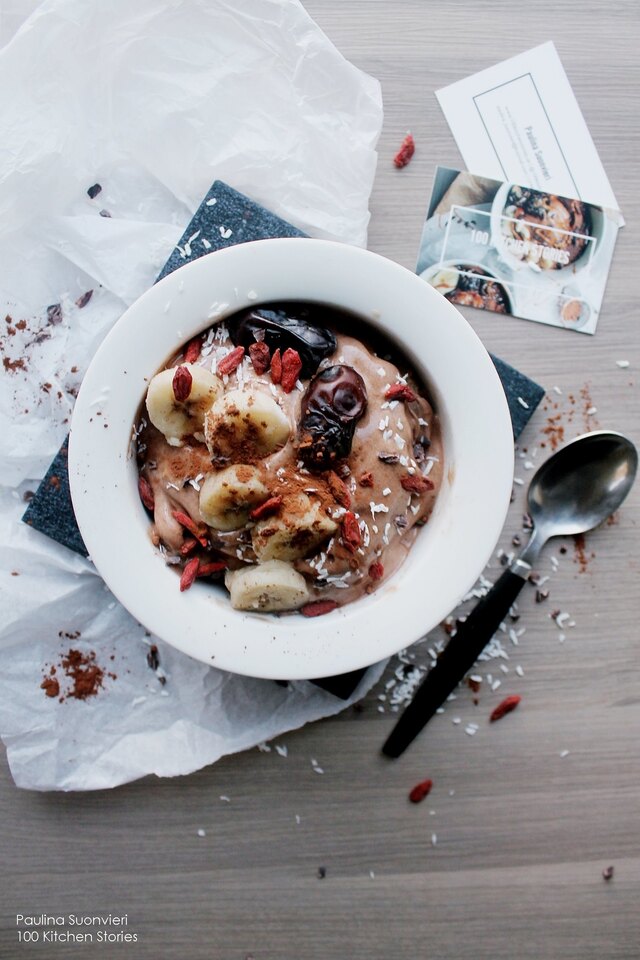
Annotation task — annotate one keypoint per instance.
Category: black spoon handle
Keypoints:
(461, 653)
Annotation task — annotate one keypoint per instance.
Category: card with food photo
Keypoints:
(513, 249)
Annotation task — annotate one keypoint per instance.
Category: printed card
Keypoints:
(519, 120)
(515, 249)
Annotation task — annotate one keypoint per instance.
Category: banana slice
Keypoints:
(267, 586)
(300, 528)
(227, 496)
(175, 418)
(244, 424)
(445, 280)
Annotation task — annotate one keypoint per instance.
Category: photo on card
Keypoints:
(513, 249)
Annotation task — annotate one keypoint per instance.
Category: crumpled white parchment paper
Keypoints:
(154, 101)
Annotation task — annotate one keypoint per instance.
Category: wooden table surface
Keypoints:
(505, 858)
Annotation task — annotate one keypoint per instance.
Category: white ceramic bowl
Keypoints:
(449, 553)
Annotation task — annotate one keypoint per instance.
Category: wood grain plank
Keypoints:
(522, 834)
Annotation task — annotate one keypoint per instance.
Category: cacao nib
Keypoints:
(153, 658)
(420, 448)
(54, 314)
(84, 299)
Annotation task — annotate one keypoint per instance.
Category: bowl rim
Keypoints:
(469, 514)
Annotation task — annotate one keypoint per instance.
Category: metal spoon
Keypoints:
(577, 488)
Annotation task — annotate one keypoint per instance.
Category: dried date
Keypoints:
(298, 327)
(334, 401)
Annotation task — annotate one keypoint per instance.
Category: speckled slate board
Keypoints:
(223, 210)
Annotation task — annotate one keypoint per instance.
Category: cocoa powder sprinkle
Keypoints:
(581, 556)
(84, 672)
(86, 676)
(13, 365)
(50, 686)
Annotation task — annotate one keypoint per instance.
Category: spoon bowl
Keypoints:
(579, 486)
(573, 491)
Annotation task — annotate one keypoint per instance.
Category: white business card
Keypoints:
(520, 121)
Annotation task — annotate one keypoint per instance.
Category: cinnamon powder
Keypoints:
(580, 554)
(84, 673)
(50, 685)
(86, 676)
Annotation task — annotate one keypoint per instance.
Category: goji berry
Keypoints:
(400, 391)
(146, 493)
(266, 509)
(406, 151)
(192, 350)
(181, 383)
(366, 480)
(230, 362)
(186, 522)
(420, 791)
(351, 534)
(189, 574)
(291, 367)
(318, 607)
(276, 366)
(506, 706)
(415, 483)
(188, 546)
(376, 570)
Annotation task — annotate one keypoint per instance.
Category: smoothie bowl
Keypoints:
(291, 458)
